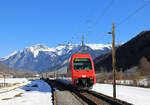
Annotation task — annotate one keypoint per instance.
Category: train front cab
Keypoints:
(83, 73)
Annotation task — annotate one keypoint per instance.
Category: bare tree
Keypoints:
(144, 67)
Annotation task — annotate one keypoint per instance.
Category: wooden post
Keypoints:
(82, 43)
(114, 60)
(4, 80)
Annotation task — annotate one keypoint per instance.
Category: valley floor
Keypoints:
(36, 92)
(134, 95)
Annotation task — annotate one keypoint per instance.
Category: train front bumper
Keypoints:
(83, 82)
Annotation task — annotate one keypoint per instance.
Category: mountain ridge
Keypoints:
(40, 58)
(127, 55)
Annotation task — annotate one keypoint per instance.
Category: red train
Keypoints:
(81, 69)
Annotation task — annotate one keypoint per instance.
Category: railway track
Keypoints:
(94, 98)
(88, 97)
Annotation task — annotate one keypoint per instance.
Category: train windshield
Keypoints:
(82, 64)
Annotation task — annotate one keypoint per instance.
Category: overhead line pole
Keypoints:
(82, 43)
(114, 60)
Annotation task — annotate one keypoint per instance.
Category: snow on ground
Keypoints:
(134, 95)
(13, 80)
(13, 83)
(35, 92)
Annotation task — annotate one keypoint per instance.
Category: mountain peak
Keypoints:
(99, 46)
(35, 49)
(39, 46)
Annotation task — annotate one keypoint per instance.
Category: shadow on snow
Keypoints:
(37, 85)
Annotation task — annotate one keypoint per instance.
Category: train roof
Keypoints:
(79, 55)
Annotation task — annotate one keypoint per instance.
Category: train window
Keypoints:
(82, 64)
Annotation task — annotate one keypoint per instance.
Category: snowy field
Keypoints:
(13, 83)
(26, 92)
(13, 80)
(134, 95)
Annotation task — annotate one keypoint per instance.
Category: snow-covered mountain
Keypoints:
(40, 58)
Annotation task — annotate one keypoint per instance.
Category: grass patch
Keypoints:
(18, 95)
(7, 98)
(15, 84)
(12, 89)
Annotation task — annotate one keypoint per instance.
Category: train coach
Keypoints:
(81, 70)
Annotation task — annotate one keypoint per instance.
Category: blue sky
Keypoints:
(52, 22)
